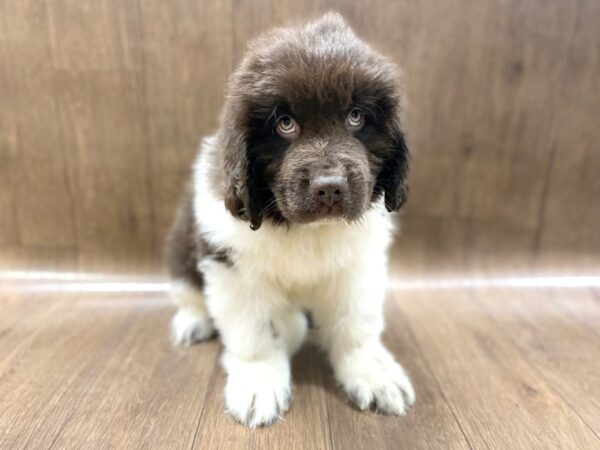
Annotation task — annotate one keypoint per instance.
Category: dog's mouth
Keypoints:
(330, 211)
(317, 212)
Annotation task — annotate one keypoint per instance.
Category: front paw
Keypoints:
(372, 379)
(257, 392)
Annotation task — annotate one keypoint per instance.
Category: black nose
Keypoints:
(329, 190)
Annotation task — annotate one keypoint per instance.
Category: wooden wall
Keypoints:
(102, 104)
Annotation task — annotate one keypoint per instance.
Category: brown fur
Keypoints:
(316, 74)
(185, 246)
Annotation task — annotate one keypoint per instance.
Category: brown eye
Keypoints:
(355, 120)
(287, 127)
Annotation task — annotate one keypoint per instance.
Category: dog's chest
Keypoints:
(306, 255)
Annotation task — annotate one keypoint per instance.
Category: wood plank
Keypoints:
(582, 305)
(23, 317)
(430, 424)
(573, 188)
(101, 114)
(148, 393)
(491, 368)
(9, 230)
(498, 397)
(41, 201)
(563, 348)
(187, 57)
(33, 259)
(42, 383)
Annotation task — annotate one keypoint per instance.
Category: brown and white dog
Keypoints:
(288, 211)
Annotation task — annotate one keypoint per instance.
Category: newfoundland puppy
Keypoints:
(287, 217)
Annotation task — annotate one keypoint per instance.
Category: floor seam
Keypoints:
(124, 328)
(551, 385)
(209, 386)
(428, 366)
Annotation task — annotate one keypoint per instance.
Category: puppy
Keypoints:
(288, 212)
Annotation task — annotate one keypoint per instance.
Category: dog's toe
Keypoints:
(377, 382)
(257, 393)
(188, 328)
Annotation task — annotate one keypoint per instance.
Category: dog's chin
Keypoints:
(327, 221)
(321, 216)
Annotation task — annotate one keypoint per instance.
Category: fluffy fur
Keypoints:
(254, 246)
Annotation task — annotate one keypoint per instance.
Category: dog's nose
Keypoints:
(329, 189)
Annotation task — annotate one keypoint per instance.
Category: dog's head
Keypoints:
(311, 128)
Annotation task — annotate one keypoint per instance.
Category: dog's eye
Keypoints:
(355, 120)
(287, 127)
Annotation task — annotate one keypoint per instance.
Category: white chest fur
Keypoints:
(293, 254)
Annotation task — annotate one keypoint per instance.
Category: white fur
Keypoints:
(192, 322)
(335, 269)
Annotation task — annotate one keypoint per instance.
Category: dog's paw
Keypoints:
(188, 328)
(257, 393)
(376, 381)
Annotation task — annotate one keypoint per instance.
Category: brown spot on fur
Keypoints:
(185, 246)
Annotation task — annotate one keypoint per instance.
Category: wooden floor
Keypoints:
(493, 367)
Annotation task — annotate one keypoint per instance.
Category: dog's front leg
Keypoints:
(247, 312)
(350, 319)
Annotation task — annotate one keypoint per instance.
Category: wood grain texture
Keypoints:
(39, 205)
(495, 389)
(103, 105)
(570, 214)
(492, 368)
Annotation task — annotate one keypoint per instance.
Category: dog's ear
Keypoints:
(240, 189)
(392, 178)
